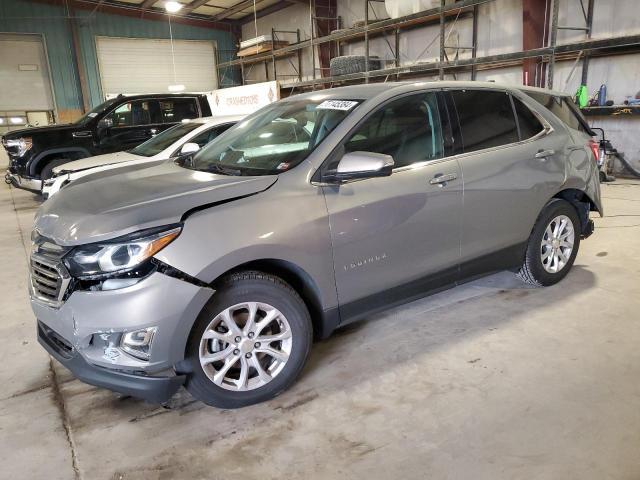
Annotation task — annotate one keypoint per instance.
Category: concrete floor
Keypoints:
(491, 380)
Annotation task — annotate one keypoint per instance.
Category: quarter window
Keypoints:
(407, 129)
(486, 119)
(529, 124)
(562, 108)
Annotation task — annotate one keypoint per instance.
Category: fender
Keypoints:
(35, 161)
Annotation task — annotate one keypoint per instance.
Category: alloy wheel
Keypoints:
(245, 346)
(557, 244)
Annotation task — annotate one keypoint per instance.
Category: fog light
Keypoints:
(138, 343)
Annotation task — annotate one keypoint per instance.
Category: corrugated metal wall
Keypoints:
(23, 16)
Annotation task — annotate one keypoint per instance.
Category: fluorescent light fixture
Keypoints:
(1, 121)
(176, 88)
(17, 120)
(172, 7)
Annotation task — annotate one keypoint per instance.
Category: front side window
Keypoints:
(407, 129)
(138, 112)
(528, 123)
(486, 119)
(210, 135)
(177, 109)
(275, 140)
(163, 140)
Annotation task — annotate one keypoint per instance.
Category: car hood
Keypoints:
(30, 131)
(124, 200)
(97, 161)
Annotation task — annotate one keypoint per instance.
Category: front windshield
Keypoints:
(94, 113)
(163, 140)
(275, 140)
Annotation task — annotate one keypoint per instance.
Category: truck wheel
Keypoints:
(47, 170)
(553, 245)
(249, 343)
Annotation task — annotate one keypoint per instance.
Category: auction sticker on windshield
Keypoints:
(344, 105)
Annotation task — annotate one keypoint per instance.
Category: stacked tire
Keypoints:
(349, 64)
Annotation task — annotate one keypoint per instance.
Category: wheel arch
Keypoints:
(580, 201)
(324, 320)
(38, 163)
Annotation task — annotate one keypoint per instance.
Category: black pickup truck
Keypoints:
(118, 124)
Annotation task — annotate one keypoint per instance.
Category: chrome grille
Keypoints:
(49, 277)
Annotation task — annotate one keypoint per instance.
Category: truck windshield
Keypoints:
(94, 113)
(163, 140)
(275, 140)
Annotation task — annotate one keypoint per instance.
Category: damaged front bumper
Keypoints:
(84, 334)
(31, 184)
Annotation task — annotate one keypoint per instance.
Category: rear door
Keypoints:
(511, 166)
(398, 234)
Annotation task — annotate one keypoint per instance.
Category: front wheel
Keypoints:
(553, 245)
(249, 343)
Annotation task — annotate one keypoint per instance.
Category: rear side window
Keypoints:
(529, 124)
(177, 109)
(486, 119)
(408, 129)
(561, 108)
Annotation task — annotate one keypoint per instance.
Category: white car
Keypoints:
(183, 138)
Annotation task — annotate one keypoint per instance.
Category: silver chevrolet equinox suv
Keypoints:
(217, 271)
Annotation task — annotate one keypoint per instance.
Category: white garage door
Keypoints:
(132, 65)
(24, 74)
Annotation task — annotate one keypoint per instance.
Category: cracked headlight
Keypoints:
(99, 261)
(22, 145)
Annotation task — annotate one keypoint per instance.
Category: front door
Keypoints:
(396, 237)
(130, 124)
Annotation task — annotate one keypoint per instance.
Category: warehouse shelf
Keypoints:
(613, 110)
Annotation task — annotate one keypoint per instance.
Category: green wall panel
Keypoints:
(23, 16)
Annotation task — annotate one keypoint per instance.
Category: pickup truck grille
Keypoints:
(49, 277)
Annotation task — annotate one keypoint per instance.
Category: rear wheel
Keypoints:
(553, 245)
(249, 343)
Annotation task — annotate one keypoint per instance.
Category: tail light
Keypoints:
(595, 149)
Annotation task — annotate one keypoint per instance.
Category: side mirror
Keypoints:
(360, 165)
(189, 147)
(104, 123)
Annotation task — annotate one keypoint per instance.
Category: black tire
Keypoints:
(533, 271)
(250, 286)
(348, 64)
(47, 170)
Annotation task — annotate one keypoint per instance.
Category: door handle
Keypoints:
(442, 179)
(543, 154)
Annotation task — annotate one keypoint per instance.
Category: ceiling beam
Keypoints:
(276, 7)
(193, 5)
(148, 4)
(238, 7)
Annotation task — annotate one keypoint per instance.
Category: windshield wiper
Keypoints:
(213, 168)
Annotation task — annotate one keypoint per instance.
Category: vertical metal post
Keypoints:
(266, 70)
(299, 57)
(366, 40)
(585, 61)
(216, 56)
(474, 40)
(84, 88)
(313, 49)
(242, 73)
(397, 50)
(273, 57)
(441, 69)
(552, 42)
